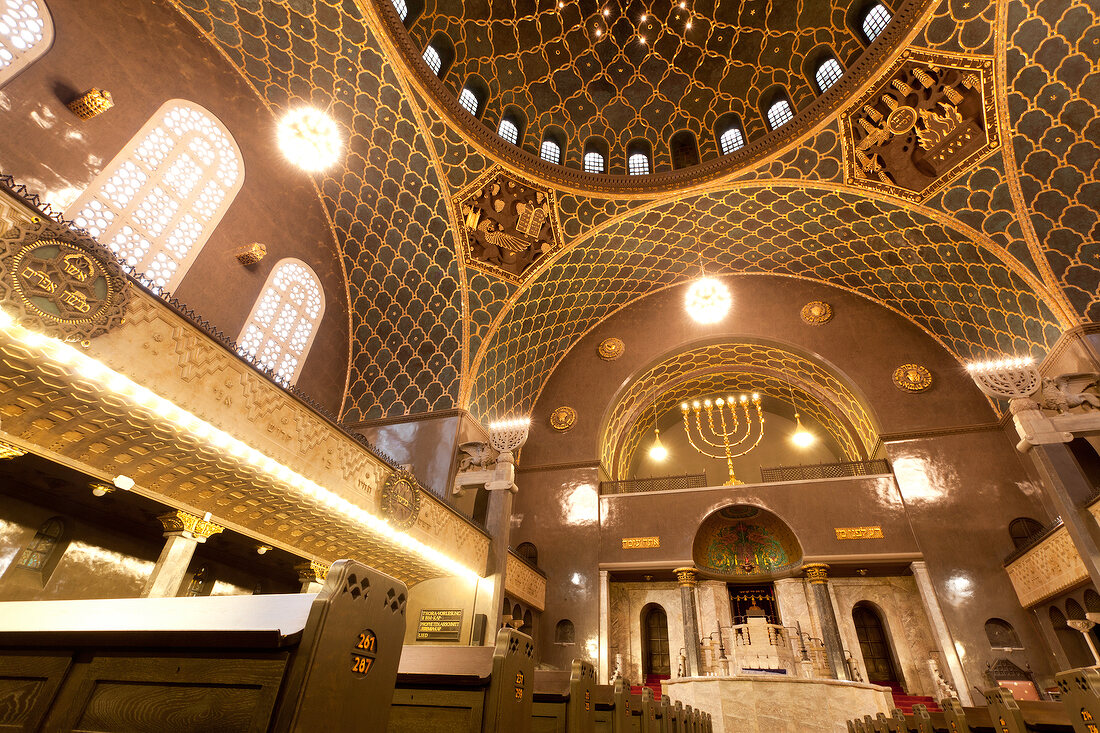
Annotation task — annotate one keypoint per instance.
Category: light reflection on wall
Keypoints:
(12, 538)
(221, 588)
(914, 477)
(102, 562)
(582, 506)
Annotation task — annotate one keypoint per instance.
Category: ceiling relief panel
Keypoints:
(508, 225)
(961, 293)
(931, 117)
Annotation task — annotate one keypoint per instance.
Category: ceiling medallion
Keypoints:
(930, 116)
(912, 378)
(509, 224)
(708, 300)
(563, 418)
(816, 313)
(611, 349)
(400, 499)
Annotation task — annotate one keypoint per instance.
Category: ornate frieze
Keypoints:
(563, 418)
(524, 583)
(930, 116)
(611, 349)
(508, 225)
(816, 313)
(912, 378)
(399, 501)
(1047, 569)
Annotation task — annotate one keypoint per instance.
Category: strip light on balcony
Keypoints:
(121, 385)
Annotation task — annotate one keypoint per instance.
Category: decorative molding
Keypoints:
(558, 466)
(912, 378)
(686, 576)
(816, 313)
(9, 450)
(524, 582)
(816, 572)
(312, 571)
(191, 525)
(987, 427)
(611, 349)
(399, 500)
(641, 543)
(563, 418)
(1049, 568)
(858, 533)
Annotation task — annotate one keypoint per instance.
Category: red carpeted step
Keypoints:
(905, 703)
(653, 682)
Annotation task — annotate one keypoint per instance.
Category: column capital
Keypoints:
(312, 571)
(816, 572)
(189, 525)
(1080, 624)
(686, 576)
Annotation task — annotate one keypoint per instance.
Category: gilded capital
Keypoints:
(816, 572)
(7, 450)
(686, 576)
(190, 525)
(312, 571)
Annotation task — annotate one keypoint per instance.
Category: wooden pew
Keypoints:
(649, 712)
(241, 663)
(1080, 690)
(466, 689)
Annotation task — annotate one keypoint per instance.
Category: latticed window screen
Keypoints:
(638, 164)
(26, 31)
(37, 553)
(828, 73)
(877, 18)
(550, 151)
(593, 162)
(731, 140)
(468, 100)
(780, 113)
(433, 60)
(158, 201)
(508, 130)
(283, 322)
(402, 9)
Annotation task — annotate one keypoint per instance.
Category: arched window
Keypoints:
(1072, 641)
(508, 130)
(1023, 530)
(26, 32)
(158, 201)
(875, 21)
(685, 150)
(1001, 635)
(564, 632)
(779, 113)
(528, 552)
(828, 73)
(281, 327)
(731, 139)
(432, 59)
(402, 9)
(469, 102)
(595, 155)
(637, 158)
(550, 151)
(40, 552)
(408, 10)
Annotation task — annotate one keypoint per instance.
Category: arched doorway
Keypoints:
(656, 661)
(878, 658)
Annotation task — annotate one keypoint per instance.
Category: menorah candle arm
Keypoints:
(687, 430)
(759, 437)
(703, 435)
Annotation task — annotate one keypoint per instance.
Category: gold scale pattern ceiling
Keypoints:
(572, 67)
(716, 369)
(997, 257)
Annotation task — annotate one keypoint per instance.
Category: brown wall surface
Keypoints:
(146, 53)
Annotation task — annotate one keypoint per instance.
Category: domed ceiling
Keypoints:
(629, 70)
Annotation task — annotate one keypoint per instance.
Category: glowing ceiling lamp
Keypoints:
(801, 437)
(708, 300)
(309, 138)
(657, 451)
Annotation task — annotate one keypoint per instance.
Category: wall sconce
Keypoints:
(262, 549)
(251, 254)
(101, 489)
(91, 103)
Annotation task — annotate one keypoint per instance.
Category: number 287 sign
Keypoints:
(362, 656)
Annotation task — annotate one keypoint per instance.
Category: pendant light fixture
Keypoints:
(657, 451)
(801, 437)
(708, 300)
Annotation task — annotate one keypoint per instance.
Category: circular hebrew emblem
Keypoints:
(611, 349)
(59, 282)
(400, 501)
(901, 120)
(816, 312)
(563, 418)
(912, 377)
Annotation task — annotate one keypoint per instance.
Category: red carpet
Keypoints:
(653, 682)
(905, 702)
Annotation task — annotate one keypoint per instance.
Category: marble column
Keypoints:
(498, 523)
(1063, 480)
(605, 627)
(311, 574)
(182, 534)
(686, 578)
(1085, 627)
(830, 632)
(944, 643)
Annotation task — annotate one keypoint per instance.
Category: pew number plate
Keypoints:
(362, 656)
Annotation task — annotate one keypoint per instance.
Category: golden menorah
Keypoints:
(727, 435)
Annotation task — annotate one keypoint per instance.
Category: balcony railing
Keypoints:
(658, 483)
(817, 471)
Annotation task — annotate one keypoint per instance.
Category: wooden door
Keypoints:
(655, 635)
(875, 646)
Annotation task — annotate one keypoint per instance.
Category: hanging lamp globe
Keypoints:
(309, 139)
(802, 437)
(657, 451)
(708, 300)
